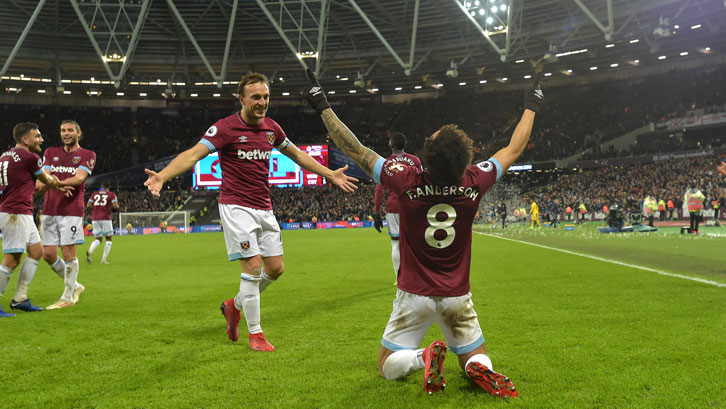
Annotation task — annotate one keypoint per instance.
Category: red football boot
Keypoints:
(259, 343)
(231, 313)
(494, 383)
(433, 356)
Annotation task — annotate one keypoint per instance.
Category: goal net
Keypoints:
(153, 222)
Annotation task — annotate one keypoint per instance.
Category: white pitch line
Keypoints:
(700, 280)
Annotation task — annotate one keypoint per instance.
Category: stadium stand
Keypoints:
(586, 117)
(666, 179)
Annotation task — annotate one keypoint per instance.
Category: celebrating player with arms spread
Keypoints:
(62, 222)
(244, 142)
(19, 168)
(437, 207)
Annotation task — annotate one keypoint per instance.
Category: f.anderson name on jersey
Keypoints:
(436, 190)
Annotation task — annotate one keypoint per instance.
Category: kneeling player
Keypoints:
(437, 207)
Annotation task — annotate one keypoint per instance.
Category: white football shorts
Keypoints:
(102, 228)
(392, 221)
(250, 232)
(413, 315)
(19, 232)
(61, 230)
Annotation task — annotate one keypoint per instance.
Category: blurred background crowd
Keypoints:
(577, 120)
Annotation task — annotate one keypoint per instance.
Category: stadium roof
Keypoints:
(380, 44)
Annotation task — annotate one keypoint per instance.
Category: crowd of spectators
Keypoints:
(667, 180)
(575, 118)
(325, 203)
(668, 141)
(106, 131)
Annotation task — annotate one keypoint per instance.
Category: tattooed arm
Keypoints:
(348, 143)
(342, 136)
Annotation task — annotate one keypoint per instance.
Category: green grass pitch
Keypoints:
(571, 332)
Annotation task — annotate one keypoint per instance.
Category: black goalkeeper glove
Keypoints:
(533, 98)
(377, 222)
(314, 93)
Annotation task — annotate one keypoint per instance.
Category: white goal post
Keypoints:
(141, 222)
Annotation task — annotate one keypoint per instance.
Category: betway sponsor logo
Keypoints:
(63, 169)
(253, 154)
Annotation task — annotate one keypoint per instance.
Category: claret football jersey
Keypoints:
(244, 156)
(102, 202)
(65, 165)
(18, 170)
(435, 224)
(392, 200)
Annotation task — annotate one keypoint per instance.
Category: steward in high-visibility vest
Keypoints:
(694, 203)
(568, 211)
(583, 210)
(662, 209)
(649, 207)
(534, 212)
(671, 208)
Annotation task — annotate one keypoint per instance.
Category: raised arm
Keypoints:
(341, 135)
(510, 153)
(533, 100)
(349, 143)
(182, 163)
